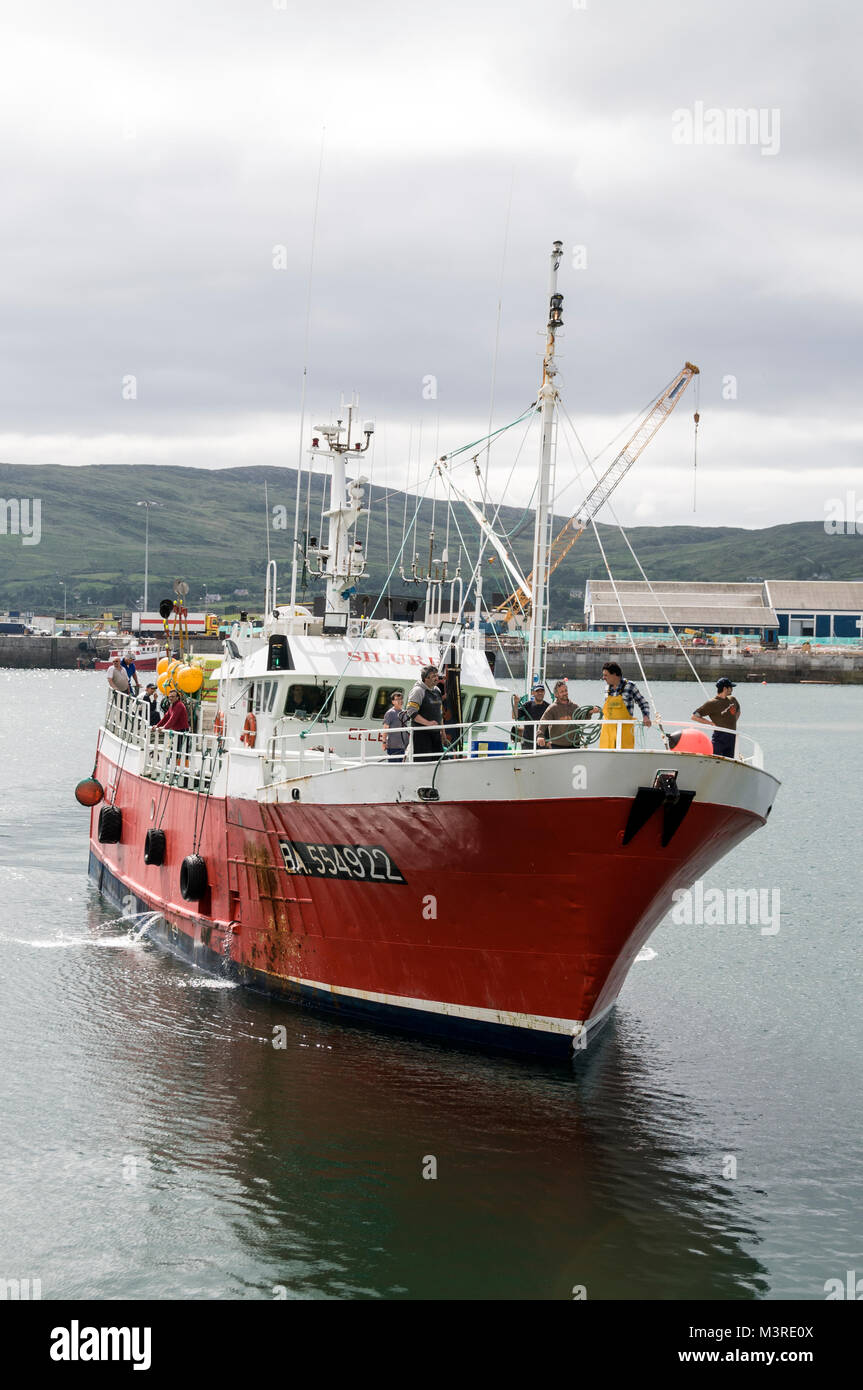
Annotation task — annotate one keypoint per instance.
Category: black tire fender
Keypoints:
(154, 847)
(110, 827)
(193, 878)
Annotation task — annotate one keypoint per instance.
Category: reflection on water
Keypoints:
(159, 1145)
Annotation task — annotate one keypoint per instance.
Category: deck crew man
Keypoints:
(723, 711)
(621, 699)
(151, 701)
(553, 731)
(533, 710)
(117, 677)
(425, 711)
(132, 672)
(396, 735)
(176, 716)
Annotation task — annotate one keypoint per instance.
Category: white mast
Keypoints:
(343, 562)
(547, 398)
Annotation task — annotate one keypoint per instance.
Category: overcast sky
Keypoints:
(153, 156)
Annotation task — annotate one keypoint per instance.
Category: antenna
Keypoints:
(305, 378)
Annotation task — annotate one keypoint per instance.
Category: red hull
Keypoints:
(509, 910)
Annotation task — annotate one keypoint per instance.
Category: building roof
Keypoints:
(811, 595)
(694, 615)
(640, 586)
(685, 602)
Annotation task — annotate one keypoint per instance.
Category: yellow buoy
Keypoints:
(163, 665)
(189, 679)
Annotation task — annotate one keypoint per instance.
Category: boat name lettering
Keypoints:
(362, 863)
(391, 658)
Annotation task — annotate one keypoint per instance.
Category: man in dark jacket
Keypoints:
(151, 701)
(533, 709)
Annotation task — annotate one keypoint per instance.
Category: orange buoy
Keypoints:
(89, 792)
(219, 723)
(250, 731)
(694, 741)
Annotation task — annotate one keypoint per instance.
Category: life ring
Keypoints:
(219, 724)
(250, 731)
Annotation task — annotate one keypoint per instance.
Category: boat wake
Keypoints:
(140, 923)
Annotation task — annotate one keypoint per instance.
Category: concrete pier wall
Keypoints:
(53, 653)
(789, 664)
(63, 653)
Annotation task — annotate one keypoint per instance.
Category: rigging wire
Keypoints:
(305, 732)
(371, 495)
(496, 349)
(696, 417)
(463, 448)
(622, 531)
(635, 650)
(625, 430)
(294, 558)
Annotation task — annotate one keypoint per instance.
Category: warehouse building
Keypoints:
(816, 608)
(765, 609)
(741, 609)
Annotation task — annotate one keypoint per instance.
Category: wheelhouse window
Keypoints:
(304, 700)
(478, 709)
(354, 701)
(264, 696)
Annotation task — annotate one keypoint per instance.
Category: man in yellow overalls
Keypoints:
(621, 698)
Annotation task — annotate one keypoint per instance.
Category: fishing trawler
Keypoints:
(493, 892)
(144, 654)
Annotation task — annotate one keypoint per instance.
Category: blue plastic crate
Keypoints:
(488, 748)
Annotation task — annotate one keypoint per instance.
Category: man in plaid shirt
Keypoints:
(627, 690)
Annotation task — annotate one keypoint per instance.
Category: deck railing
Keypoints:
(181, 759)
(193, 760)
(128, 718)
(293, 755)
(185, 760)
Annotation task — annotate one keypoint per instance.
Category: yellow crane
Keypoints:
(519, 600)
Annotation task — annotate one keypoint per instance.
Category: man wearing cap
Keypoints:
(151, 701)
(723, 711)
(533, 709)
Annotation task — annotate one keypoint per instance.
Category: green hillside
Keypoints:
(210, 529)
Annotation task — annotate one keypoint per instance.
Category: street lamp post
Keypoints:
(147, 506)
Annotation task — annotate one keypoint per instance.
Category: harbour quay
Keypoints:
(24, 652)
(665, 661)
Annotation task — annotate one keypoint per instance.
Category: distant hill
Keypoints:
(210, 529)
